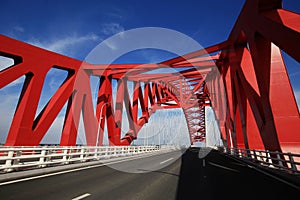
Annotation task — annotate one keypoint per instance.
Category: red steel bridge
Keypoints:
(252, 97)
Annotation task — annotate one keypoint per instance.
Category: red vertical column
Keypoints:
(115, 138)
(101, 110)
(71, 123)
(110, 114)
(135, 101)
(283, 103)
(89, 118)
(146, 99)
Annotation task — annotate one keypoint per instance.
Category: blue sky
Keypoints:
(74, 28)
(66, 25)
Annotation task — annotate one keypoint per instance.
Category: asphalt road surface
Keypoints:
(164, 176)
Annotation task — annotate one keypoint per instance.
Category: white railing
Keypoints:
(20, 158)
(284, 161)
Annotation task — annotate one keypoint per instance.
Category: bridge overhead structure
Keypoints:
(251, 94)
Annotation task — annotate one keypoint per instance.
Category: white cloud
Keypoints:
(297, 73)
(112, 28)
(53, 134)
(111, 45)
(19, 29)
(16, 82)
(5, 62)
(64, 45)
(72, 44)
(9, 98)
(7, 106)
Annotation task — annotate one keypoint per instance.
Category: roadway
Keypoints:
(174, 177)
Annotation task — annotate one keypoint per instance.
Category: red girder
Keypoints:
(252, 98)
(261, 102)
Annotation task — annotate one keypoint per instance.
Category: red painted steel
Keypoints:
(252, 98)
(263, 111)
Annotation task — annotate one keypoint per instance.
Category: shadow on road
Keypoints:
(217, 176)
(159, 172)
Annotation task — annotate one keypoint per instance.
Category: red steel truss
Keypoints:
(252, 98)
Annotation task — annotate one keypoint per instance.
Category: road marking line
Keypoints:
(166, 161)
(75, 170)
(82, 196)
(223, 167)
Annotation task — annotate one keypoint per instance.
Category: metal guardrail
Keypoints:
(284, 161)
(17, 158)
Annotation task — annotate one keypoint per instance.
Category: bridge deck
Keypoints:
(188, 177)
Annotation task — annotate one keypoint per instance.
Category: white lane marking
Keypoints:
(82, 196)
(223, 167)
(72, 170)
(166, 161)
